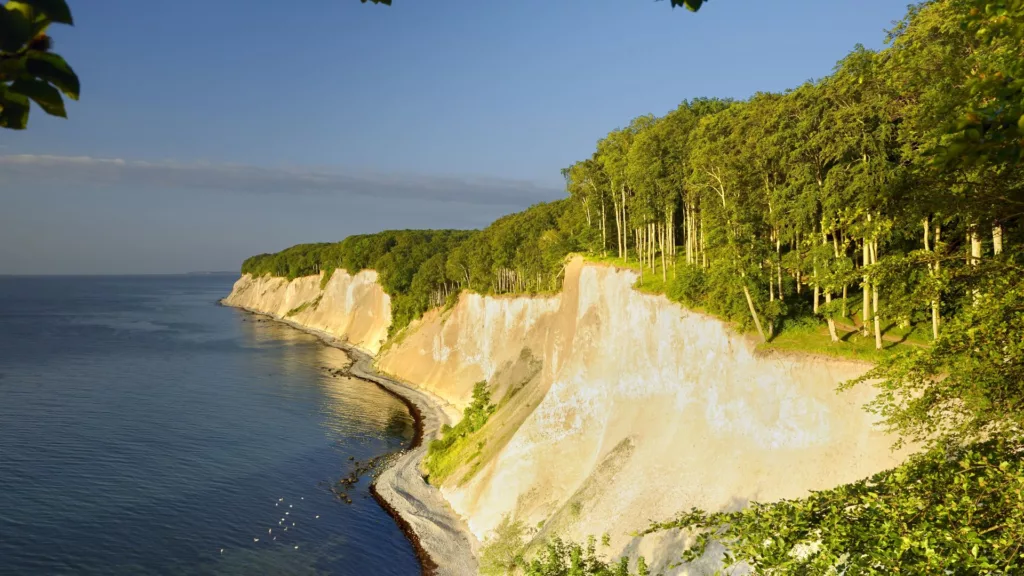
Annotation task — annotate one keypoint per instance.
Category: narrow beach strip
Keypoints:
(419, 509)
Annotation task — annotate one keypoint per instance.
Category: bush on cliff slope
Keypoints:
(455, 447)
(503, 554)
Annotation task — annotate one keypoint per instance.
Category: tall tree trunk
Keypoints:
(639, 253)
(778, 257)
(781, 296)
(703, 244)
(691, 237)
(817, 289)
(874, 296)
(665, 231)
(753, 312)
(866, 312)
(604, 229)
(831, 322)
(618, 226)
(686, 232)
(639, 249)
(799, 262)
(997, 238)
(625, 243)
(935, 272)
(653, 251)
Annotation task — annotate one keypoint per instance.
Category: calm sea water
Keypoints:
(143, 429)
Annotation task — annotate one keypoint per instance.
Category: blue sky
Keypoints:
(208, 131)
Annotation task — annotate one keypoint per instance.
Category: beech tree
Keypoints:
(29, 70)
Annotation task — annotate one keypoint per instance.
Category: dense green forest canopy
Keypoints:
(885, 196)
(423, 269)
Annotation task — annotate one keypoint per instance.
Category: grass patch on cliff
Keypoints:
(457, 444)
(302, 307)
(328, 273)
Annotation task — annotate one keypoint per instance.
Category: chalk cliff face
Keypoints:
(617, 407)
(349, 307)
(626, 408)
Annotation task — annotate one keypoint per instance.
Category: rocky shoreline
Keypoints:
(418, 508)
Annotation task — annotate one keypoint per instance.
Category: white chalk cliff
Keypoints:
(353, 308)
(616, 407)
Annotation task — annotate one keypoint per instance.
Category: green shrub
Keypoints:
(455, 446)
(502, 552)
(561, 558)
(946, 511)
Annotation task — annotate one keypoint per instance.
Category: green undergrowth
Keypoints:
(505, 552)
(946, 511)
(459, 444)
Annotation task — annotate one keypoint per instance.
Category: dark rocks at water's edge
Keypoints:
(341, 488)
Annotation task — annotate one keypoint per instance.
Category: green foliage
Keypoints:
(424, 269)
(970, 384)
(561, 558)
(991, 125)
(456, 445)
(502, 552)
(407, 262)
(946, 511)
(28, 70)
(575, 509)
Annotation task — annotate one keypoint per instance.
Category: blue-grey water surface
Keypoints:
(143, 428)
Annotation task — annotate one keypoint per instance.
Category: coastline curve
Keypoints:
(435, 530)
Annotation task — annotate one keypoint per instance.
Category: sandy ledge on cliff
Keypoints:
(438, 531)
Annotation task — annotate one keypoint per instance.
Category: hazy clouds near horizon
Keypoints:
(78, 215)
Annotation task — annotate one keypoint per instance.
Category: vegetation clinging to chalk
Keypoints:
(456, 446)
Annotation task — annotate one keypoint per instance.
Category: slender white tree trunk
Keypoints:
(753, 312)
(935, 273)
(866, 312)
(831, 323)
(874, 296)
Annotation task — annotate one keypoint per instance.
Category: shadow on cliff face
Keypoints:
(590, 492)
